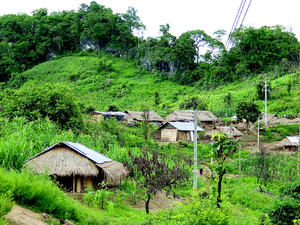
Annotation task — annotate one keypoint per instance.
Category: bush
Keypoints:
(44, 100)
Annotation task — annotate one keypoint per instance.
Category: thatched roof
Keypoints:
(63, 162)
(113, 170)
(288, 141)
(181, 126)
(188, 115)
(230, 131)
(271, 118)
(139, 116)
(69, 159)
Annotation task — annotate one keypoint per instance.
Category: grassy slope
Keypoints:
(132, 87)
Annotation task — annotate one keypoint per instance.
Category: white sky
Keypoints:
(207, 15)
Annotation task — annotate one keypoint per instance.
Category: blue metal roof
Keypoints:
(81, 149)
(182, 126)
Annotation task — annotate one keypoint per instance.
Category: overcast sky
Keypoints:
(207, 15)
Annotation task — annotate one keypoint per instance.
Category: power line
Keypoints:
(233, 25)
(240, 10)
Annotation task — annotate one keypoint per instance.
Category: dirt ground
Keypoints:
(19, 215)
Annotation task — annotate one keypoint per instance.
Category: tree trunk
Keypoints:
(147, 203)
(220, 188)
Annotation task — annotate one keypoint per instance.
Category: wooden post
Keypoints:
(74, 182)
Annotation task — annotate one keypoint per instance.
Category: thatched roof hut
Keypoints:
(205, 117)
(85, 166)
(231, 131)
(271, 118)
(178, 131)
(288, 144)
(153, 117)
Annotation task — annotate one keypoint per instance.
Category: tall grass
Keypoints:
(39, 193)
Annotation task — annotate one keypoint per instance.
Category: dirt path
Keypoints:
(158, 202)
(22, 216)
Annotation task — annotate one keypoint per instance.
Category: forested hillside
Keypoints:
(56, 68)
(192, 58)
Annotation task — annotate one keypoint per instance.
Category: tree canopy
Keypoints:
(45, 100)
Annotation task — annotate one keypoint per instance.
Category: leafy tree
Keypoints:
(45, 100)
(164, 29)
(223, 147)
(256, 50)
(248, 111)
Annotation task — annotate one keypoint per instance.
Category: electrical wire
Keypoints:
(205, 99)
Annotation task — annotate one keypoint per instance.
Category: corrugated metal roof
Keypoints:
(185, 126)
(81, 149)
(294, 140)
(117, 113)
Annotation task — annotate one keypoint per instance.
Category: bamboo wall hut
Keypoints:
(231, 131)
(76, 166)
(207, 118)
(288, 144)
(119, 116)
(178, 131)
(153, 117)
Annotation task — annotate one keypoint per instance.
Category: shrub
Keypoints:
(44, 100)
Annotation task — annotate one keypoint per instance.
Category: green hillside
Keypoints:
(102, 80)
(55, 69)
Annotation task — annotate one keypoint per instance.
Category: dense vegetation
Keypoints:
(57, 68)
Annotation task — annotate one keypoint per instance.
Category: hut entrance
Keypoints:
(66, 183)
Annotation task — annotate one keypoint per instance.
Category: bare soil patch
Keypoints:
(159, 202)
(23, 216)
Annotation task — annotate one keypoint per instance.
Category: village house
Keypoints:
(178, 131)
(271, 118)
(76, 166)
(119, 116)
(134, 116)
(288, 144)
(206, 118)
(231, 131)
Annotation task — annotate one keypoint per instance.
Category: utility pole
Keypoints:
(266, 102)
(195, 149)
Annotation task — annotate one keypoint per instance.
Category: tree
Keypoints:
(256, 50)
(248, 111)
(223, 147)
(132, 20)
(157, 175)
(45, 100)
(164, 29)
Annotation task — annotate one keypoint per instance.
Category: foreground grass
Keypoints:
(40, 194)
